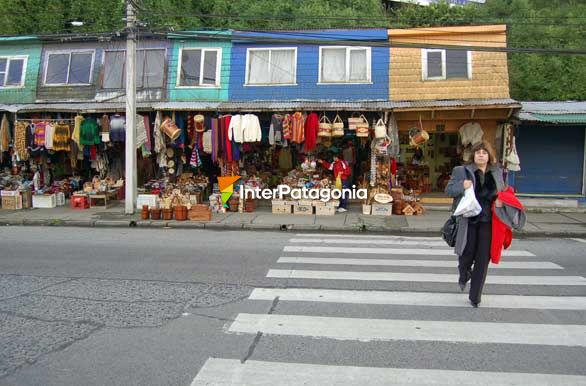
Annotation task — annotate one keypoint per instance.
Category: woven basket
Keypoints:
(325, 127)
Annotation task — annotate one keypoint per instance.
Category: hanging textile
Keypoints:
(393, 131)
(512, 159)
(105, 123)
(141, 135)
(61, 137)
(20, 140)
(159, 139)
(49, 133)
(89, 132)
(117, 128)
(228, 138)
(277, 125)
(195, 158)
(4, 134)
(287, 127)
(77, 130)
(214, 138)
(251, 131)
(297, 128)
(207, 142)
(40, 134)
(311, 130)
(147, 147)
(285, 159)
(235, 129)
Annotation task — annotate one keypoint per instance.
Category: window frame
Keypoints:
(247, 70)
(9, 58)
(165, 64)
(69, 52)
(424, 76)
(218, 51)
(347, 80)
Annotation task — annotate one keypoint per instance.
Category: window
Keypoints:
(12, 70)
(274, 66)
(344, 65)
(199, 68)
(71, 68)
(150, 69)
(446, 64)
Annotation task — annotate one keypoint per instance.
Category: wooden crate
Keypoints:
(12, 202)
(325, 210)
(305, 210)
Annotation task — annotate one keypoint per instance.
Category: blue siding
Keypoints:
(307, 87)
(552, 159)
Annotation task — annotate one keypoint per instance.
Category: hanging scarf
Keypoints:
(195, 158)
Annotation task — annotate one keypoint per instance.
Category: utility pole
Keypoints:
(130, 169)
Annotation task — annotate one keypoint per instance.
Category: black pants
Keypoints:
(477, 253)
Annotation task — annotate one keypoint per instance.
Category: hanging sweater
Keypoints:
(61, 138)
(311, 130)
(49, 133)
(251, 128)
(89, 132)
(235, 129)
(297, 129)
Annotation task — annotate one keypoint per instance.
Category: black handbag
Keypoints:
(450, 230)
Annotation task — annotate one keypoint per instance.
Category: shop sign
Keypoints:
(304, 193)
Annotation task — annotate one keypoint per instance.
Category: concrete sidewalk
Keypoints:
(538, 225)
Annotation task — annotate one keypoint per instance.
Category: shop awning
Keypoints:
(554, 112)
(73, 107)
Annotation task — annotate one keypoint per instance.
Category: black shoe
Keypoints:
(474, 304)
(462, 284)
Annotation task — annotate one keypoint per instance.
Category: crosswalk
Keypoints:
(522, 282)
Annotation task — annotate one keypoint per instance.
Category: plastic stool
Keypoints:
(80, 202)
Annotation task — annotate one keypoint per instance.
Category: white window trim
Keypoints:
(138, 49)
(70, 52)
(424, 76)
(22, 76)
(246, 73)
(348, 49)
(203, 50)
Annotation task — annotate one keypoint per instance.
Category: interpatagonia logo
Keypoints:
(226, 185)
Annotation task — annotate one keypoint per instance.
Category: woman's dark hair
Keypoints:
(486, 146)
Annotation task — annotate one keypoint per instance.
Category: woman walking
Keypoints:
(473, 240)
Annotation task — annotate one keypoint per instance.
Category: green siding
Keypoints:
(26, 94)
(199, 93)
(560, 118)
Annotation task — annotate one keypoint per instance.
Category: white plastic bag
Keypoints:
(468, 205)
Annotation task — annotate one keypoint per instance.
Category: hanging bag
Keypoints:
(325, 127)
(338, 127)
(450, 231)
(362, 128)
(380, 130)
(353, 120)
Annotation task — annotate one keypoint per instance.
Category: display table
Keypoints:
(98, 201)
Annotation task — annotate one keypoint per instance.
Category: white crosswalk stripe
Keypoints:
(427, 243)
(386, 237)
(366, 330)
(391, 251)
(412, 263)
(256, 373)
(431, 299)
(424, 277)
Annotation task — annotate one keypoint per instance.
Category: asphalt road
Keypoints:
(145, 307)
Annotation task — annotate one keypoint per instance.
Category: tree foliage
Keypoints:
(548, 24)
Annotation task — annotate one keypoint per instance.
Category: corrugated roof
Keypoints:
(569, 107)
(553, 112)
(364, 105)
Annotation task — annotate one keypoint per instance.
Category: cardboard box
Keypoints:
(306, 210)
(282, 208)
(27, 199)
(147, 199)
(317, 203)
(382, 209)
(12, 202)
(333, 203)
(325, 210)
(44, 201)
